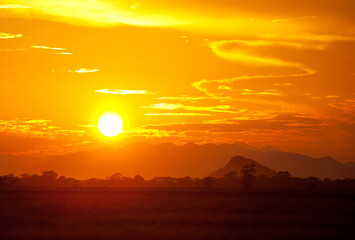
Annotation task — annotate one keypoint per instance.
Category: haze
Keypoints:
(276, 74)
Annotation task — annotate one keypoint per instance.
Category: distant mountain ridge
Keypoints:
(167, 159)
(236, 164)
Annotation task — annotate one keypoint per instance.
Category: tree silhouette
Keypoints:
(138, 181)
(49, 178)
(115, 176)
(248, 172)
(209, 182)
(114, 180)
(49, 174)
(284, 174)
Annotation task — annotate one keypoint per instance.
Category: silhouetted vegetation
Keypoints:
(209, 182)
(247, 179)
(49, 206)
(248, 172)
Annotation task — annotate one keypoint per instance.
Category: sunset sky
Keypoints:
(277, 74)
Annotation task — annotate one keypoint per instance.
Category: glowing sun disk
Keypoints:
(110, 124)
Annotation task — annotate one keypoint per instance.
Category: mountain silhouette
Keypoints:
(167, 159)
(237, 163)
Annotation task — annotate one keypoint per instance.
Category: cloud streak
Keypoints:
(202, 85)
(243, 51)
(265, 92)
(84, 70)
(38, 136)
(179, 106)
(279, 122)
(48, 48)
(178, 114)
(10, 36)
(247, 52)
(14, 6)
(123, 92)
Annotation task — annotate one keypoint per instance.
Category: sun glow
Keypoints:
(110, 124)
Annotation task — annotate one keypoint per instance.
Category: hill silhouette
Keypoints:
(167, 159)
(237, 163)
(350, 164)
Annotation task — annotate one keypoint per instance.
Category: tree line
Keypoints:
(245, 179)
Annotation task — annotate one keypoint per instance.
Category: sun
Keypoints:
(110, 124)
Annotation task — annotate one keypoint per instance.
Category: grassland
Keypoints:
(175, 214)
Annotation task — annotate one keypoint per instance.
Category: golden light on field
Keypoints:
(110, 124)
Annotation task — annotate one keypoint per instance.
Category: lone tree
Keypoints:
(248, 172)
(209, 182)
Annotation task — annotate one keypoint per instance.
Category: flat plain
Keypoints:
(175, 214)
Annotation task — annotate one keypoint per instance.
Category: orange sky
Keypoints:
(274, 73)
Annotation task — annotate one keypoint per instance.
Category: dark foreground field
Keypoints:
(175, 214)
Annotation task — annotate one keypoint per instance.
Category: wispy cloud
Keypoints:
(13, 50)
(13, 6)
(87, 126)
(123, 92)
(178, 114)
(178, 106)
(265, 92)
(252, 52)
(34, 127)
(224, 87)
(294, 19)
(25, 126)
(203, 85)
(247, 52)
(191, 98)
(307, 37)
(333, 96)
(48, 48)
(55, 50)
(10, 36)
(182, 98)
(64, 53)
(277, 123)
(84, 70)
(151, 133)
(346, 106)
(283, 84)
(38, 136)
(244, 51)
